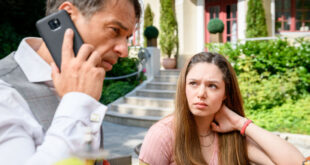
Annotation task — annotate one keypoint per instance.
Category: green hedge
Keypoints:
(114, 89)
(290, 117)
(264, 91)
(18, 19)
(273, 56)
(9, 39)
(274, 78)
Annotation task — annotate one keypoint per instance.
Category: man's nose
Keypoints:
(121, 48)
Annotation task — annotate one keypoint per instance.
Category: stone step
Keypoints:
(135, 110)
(171, 78)
(148, 104)
(161, 85)
(151, 102)
(156, 93)
(131, 120)
(169, 72)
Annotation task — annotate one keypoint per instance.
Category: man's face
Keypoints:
(108, 30)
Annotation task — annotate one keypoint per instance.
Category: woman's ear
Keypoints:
(224, 98)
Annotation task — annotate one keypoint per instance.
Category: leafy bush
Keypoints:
(274, 56)
(274, 78)
(115, 91)
(148, 19)
(168, 28)
(215, 26)
(290, 117)
(151, 32)
(9, 39)
(123, 67)
(265, 91)
(22, 15)
(255, 20)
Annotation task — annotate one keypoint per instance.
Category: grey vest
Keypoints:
(41, 100)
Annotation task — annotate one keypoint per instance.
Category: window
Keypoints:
(302, 15)
(292, 15)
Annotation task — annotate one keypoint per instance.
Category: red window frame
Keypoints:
(293, 11)
(222, 16)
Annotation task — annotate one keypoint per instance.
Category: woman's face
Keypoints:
(205, 89)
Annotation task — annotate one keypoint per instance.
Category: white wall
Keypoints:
(200, 31)
(242, 9)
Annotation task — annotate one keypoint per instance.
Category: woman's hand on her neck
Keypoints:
(226, 120)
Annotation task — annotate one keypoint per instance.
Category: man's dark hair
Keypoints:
(87, 7)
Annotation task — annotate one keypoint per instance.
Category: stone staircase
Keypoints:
(148, 103)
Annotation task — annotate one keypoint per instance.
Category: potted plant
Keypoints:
(168, 33)
(216, 28)
(151, 34)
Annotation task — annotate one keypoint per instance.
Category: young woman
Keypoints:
(208, 125)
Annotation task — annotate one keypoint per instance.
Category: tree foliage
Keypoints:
(17, 21)
(148, 16)
(168, 28)
(256, 20)
(148, 20)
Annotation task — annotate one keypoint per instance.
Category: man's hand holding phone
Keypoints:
(78, 73)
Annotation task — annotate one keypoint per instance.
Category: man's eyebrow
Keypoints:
(120, 25)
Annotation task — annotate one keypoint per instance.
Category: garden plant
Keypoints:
(274, 77)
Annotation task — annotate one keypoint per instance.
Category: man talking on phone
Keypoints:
(44, 112)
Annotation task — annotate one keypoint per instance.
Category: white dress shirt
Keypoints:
(22, 140)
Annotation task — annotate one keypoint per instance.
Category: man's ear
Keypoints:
(70, 8)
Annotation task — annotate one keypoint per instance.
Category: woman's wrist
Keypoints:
(241, 123)
(244, 127)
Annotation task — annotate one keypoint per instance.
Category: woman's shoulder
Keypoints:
(161, 133)
(158, 142)
(163, 125)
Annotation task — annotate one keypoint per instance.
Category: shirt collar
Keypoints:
(34, 67)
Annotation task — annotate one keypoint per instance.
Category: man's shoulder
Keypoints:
(7, 64)
(4, 84)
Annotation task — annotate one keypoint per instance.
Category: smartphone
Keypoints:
(52, 28)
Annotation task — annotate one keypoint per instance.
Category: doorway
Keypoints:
(225, 10)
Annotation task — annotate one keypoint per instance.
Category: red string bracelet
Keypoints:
(245, 125)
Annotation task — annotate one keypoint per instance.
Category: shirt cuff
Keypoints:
(76, 113)
(80, 106)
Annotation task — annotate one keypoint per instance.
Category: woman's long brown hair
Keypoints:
(232, 146)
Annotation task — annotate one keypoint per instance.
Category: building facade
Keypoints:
(289, 18)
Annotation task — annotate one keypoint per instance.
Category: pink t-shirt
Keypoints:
(157, 147)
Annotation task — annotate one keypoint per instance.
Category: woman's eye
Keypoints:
(192, 83)
(213, 86)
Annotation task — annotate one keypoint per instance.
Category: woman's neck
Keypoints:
(204, 124)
